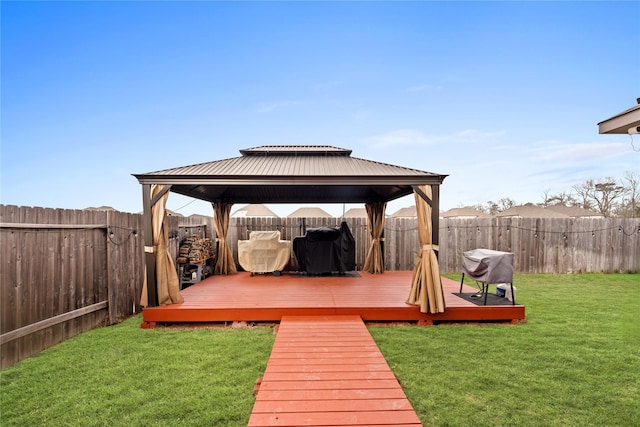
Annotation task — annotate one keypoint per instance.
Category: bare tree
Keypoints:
(506, 203)
(501, 205)
(630, 206)
(599, 195)
(562, 198)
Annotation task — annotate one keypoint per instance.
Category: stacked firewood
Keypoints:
(195, 249)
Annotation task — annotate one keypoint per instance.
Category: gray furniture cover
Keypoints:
(326, 250)
(488, 266)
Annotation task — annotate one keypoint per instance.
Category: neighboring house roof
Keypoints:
(99, 208)
(254, 211)
(530, 211)
(575, 211)
(622, 122)
(464, 213)
(309, 213)
(200, 216)
(292, 174)
(408, 212)
(356, 213)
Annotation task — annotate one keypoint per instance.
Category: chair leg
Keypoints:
(485, 289)
(513, 295)
(461, 282)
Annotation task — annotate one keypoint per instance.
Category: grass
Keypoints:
(127, 376)
(575, 362)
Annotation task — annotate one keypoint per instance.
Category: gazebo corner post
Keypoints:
(149, 252)
(426, 286)
(435, 218)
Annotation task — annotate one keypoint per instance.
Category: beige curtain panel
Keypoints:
(166, 275)
(221, 218)
(374, 263)
(426, 286)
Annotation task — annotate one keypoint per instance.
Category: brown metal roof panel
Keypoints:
(294, 166)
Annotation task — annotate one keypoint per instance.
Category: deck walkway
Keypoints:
(328, 371)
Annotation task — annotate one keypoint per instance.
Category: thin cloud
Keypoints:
(361, 115)
(414, 137)
(265, 107)
(581, 152)
(425, 88)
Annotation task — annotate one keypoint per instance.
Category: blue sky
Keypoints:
(504, 97)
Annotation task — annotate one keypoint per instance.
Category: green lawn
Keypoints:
(575, 362)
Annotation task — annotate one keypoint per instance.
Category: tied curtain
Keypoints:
(221, 218)
(375, 214)
(426, 286)
(166, 276)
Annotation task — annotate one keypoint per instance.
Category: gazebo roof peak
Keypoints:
(293, 150)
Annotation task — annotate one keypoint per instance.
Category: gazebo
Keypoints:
(292, 174)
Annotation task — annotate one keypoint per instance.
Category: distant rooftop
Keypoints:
(408, 212)
(254, 211)
(575, 211)
(356, 213)
(464, 213)
(309, 213)
(530, 211)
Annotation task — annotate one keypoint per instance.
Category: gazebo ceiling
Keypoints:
(292, 174)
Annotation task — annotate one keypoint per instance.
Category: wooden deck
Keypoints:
(328, 371)
(267, 298)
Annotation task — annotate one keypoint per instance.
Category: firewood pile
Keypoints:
(195, 249)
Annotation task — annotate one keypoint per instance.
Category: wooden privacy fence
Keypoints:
(66, 271)
(540, 245)
(547, 245)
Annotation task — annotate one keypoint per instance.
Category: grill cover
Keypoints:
(326, 250)
(264, 252)
(488, 266)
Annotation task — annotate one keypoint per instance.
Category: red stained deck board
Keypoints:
(303, 395)
(373, 297)
(338, 405)
(326, 383)
(329, 376)
(324, 368)
(378, 418)
(328, 361)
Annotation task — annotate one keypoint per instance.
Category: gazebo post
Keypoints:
(149, 254)
(434, 203)
(435, 216)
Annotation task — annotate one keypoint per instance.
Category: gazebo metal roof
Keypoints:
(292, 174)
